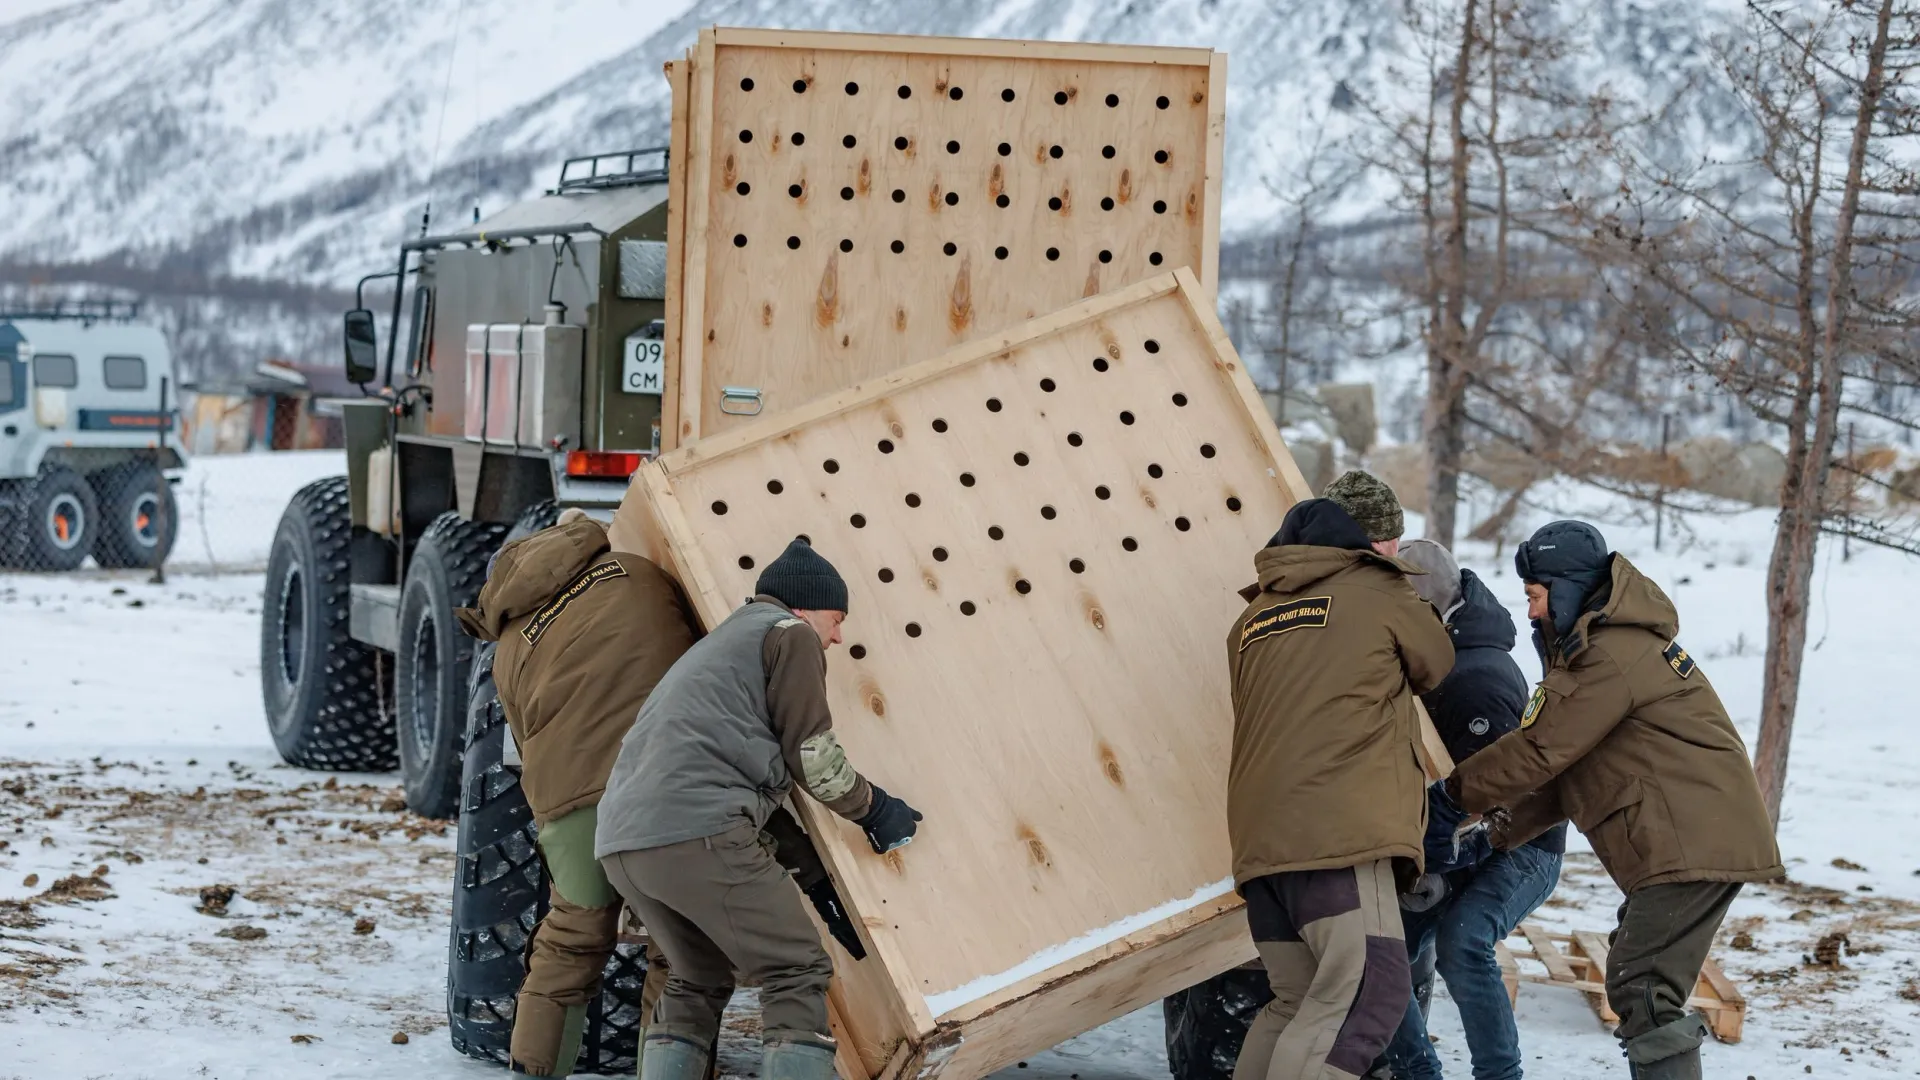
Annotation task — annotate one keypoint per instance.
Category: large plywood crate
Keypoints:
(1043, 533)
(847, 204)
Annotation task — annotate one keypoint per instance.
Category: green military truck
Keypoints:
(526, 375)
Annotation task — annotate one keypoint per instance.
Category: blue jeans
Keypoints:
(1462, 932)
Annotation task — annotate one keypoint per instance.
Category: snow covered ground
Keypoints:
(136, 771)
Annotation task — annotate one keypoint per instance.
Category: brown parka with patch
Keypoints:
(1327, 661)
(1626, 737)
(585, 634)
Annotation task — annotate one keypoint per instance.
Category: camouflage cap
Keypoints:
(1369, 501)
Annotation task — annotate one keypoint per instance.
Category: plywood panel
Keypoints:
(1043, 535)
(858, 203)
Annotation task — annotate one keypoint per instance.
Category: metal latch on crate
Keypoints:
(741, 400)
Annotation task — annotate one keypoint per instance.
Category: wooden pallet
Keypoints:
(1579, 961)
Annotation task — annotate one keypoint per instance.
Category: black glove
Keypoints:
(889, 823)
(1452, 785)
(826, 901)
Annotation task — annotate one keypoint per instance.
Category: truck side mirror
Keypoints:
(363, 347)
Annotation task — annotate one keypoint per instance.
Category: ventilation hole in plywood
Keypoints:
(953, 198)
(739, 239)
(1180, 400)
(747, 85)
(993, 404)
(1074, 439)
(1129, 543)
(1107, 152)
(1159, 206)
(796, 190)
(804, 538)
(913, 500)
(886, 576)
(1000, 253)
(1103, 492)
(1154, 259)
(799, 86)
(858, 652)
(966, 479)
(1002, 201)
(1020, 458)
(901, 143)
(858, 521)
(1161, 102)
(1106, 203)
(1053, 254)
(1054, 203)
(967, 608)
(913, 629)
(1022, 586)
(846, 244)
(885, 446)
(719, 507)
(1233, 504)
(775, 487)
(1100, 363)
(746, 562)
(1106, 256)
(849, 142)
(907, 92)
(1049, 513)
(955, 94)
(939, 554)
(742, 188)
(830, 465)
(1046, 385)
(1054, 151)
(853, 88)
(1207, 450)
(1151, 346)
(949, 247)
(746, 136)
(846, 194)
(799, 138)
(1060, 97)
(1113, 101)
(1155, 471)
(939, 426)
(793, 243)
(1182, 524)
(1126, 417)
(1160, 157)
(1077, 566)
(1006, 149)
(953, 146)
(897, 247)
(1007, 94)
(995, 532)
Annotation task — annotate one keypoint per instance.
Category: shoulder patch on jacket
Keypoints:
(1534, 705)
(1677, 659)
(1311, 611)
(784, 623)
(544, 617)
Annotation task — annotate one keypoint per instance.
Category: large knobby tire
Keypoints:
(500, 894)
(435, 656)
(56, 524)
(322, 690)
(138, 517)
(1207, 1024)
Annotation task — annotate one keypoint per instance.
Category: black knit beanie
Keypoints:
(801, 579)
(1571, 559)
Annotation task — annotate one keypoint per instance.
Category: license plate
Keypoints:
(644, 368)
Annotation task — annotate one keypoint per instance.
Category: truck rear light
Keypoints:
(603, 464)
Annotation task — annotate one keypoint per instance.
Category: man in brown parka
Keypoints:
(1326, 800)
(1626, 737)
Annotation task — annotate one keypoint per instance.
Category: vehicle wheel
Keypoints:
(1207, 1023)
(500, 894)
(435, 656)
(324, 692)
(541, 515)
(139, 519)
(58, 520)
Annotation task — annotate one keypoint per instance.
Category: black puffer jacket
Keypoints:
(1480, 700)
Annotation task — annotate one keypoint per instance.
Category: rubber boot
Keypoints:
(671, 1057)
(796, 1061)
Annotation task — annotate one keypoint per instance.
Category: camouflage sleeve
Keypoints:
(1568, 715)
(796, 666)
